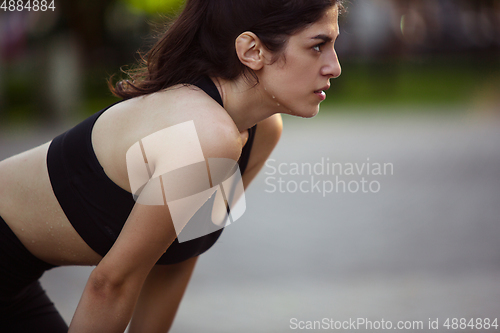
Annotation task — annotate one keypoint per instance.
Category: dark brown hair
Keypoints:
(201, 40)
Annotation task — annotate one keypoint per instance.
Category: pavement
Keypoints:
(415, 246)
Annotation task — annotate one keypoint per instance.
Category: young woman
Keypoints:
(229, 67)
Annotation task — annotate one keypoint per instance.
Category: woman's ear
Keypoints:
(250, 50)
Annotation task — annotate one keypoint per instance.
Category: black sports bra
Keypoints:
(97, 207)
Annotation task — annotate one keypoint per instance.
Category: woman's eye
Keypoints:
(317, 48)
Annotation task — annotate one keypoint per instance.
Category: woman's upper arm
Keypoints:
(149, 230)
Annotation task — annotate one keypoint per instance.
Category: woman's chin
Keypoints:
(311, 113)
(315, 113)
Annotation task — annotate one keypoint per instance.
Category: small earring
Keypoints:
(274, 97)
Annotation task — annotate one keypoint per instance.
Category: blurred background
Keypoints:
(420, 89)
(54, 64)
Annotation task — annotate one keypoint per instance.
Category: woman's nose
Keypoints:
(332, 67)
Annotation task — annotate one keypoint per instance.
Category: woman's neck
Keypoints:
(244, 101)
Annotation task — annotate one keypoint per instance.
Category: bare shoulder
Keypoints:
(196, 117)
(216, 131)
(131, 121)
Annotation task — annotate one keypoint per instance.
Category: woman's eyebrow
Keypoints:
(323, 37)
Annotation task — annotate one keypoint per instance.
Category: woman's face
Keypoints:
(297, 81)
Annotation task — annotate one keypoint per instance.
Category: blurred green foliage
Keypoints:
(155, 6)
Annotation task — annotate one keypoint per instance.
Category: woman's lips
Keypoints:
(321, 94)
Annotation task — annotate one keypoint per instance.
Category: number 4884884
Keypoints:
(29, 5)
